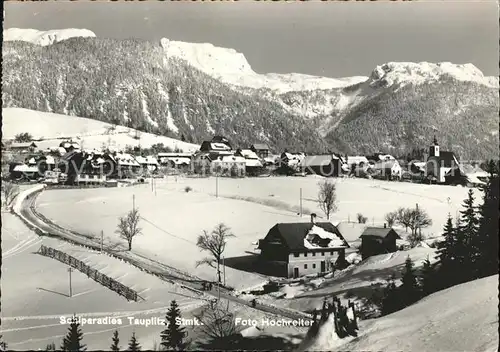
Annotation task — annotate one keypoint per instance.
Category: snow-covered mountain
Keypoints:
(44, 37)
(230, 66)
(196, 90)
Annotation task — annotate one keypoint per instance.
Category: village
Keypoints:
(66, 163)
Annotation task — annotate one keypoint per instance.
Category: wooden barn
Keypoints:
(378, 240)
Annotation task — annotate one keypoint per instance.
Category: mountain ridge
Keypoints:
(159, 90)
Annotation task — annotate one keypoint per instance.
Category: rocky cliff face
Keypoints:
(176, 89)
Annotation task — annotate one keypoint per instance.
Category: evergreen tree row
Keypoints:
(468, 251)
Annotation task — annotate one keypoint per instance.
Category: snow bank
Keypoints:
(461, 318)
(232, 67)
(44, 38)
(402, 73)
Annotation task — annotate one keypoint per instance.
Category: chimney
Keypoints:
(385, 225)
(313, 218)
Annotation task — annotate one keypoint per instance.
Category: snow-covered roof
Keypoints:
(356, 159)
(25, 168)
(125, 159)
(148, 160)
(23, 145)
(248, 154)
(331, 240)
(294, 235)
(253, 163)
(230, 159)
(219, 146)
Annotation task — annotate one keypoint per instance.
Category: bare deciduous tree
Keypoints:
(218, 324)
(9, 192)
(413, 218)
(128, 226)
(403, 217)
(215, 243)
(327, 197)
(391, 218)
(418, 219)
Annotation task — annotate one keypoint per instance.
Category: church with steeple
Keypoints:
(440, 164)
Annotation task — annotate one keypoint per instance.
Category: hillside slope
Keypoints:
(197, 90)
(49, 129)
(461, 318)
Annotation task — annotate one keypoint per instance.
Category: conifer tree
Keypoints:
(50, 347)
(116, 341)
(173, 336)
(133, 345)
(487, 240)
(390, 299)
(427, 278)
(409, 288)
(73, 339)
(468, 251)
(446, 247)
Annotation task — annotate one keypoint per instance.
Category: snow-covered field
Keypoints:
(91, 134)
(461, 318)
(35, 293)
(250, 207)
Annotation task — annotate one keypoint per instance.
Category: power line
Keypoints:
(165, 231)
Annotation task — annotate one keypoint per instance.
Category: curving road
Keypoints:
(163, 271)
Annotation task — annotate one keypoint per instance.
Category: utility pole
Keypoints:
(216, 185)
(102, 240)
(301, 202)
(70, 269)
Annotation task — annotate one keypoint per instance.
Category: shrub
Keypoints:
(187, 189)
(361, 219)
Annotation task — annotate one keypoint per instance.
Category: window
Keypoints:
(322, 253)
(305, 254)
(314, 266)
(296, 255)
(305, 266)
(314, 254)
(331, 252)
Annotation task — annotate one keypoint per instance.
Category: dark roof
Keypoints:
(294, 233)
(69, 155)
(260, 146)
(318, 160)
(381, 232)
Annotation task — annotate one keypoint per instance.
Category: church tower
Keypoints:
(434, 148)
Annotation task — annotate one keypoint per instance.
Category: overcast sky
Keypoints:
(334, 39)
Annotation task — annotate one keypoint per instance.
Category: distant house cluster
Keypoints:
(220, 157)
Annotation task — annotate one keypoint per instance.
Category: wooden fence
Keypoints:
(94, 274)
